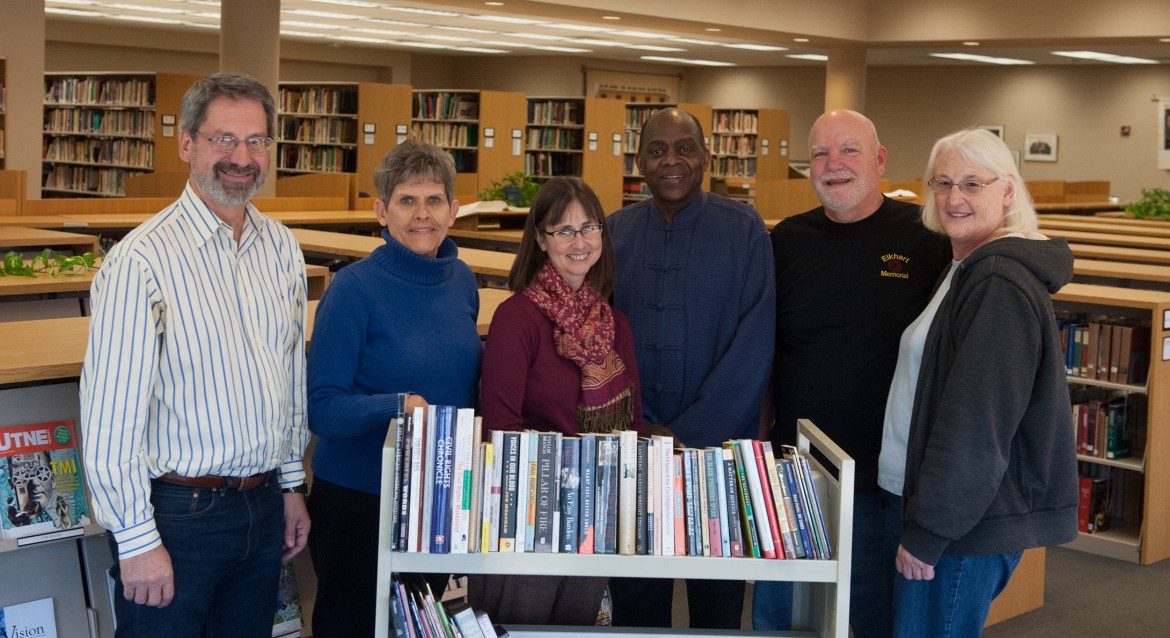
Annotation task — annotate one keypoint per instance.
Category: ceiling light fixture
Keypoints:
(349, 3)
(309, 25)
(713, 29)
(611, 17)
(427, 12)
(970, 43)
(801, 40)
(659, 58)
(755, 47)
(505, 19)
(150, 19)
(74, 12)
(145, 8)
(588, 28)
(639, 34)
(710, 43)
(969, 57)
(562, 49)
(466, 29)
(815, 57)
(1103, 57)
(321, 14)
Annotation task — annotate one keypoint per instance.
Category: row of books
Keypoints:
(733, 145)
(129, 122)
(546, 164)
(123, 152)
(88, 179)
(637, 116)
(735, 122)
(733, 166)
(93, 90)
(319, 100)
(330, 159)
(1105, 350)
(558, 112)
(41, 483)
(635, 187)
(415, 612)
(318, 130)
(447, 106)
(1110, 497)
(596, 493)
(1108, 428)
(565, 139)
(446, 134)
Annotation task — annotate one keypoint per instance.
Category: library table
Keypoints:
(10, 286)
(1104, 225)
(36, 239)
(1111, 239)
(1120, 253)
(485, 263)
(1078, 208)
(1111, 218)
(1148, 273)
(33, 221)
(506, 240)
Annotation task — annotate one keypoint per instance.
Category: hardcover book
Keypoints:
(443, 469)
(570, 493)
(588, 494)
(731, 506)
(627, 492)
(605, 519)
(40, 480)
(547, 492)
(509, 478)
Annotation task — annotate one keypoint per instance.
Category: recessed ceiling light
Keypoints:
(383, 32)
(968, 57)
(494, 4)
(710, 43)
(756, 47)
(465, 29)
(799, 40)
(589, 28)
(301, 34)
(658, 58)
(146, 19)
(611, 17)
(713, 29)
(970, 43)
(815, 57)
(145, 8)
(73, 2)
(562, 49)
(652, 47)
(1103, 57)
(536, 36)
(1163, 39)
(596, 43)
(505, 19)
(358, 38)
(321, 14)
(428, 12)
(73, 12)
(309, 25)
(349, 3)
(478, 50)
(639, 34)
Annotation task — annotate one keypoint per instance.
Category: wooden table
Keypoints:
(125, 221)
(1077, 208)
(506, 240)
(1110, 239)
(46, 349)
(1149, 273)
(1120, 253)
(11, 286)
(36, 239)
(485, 263)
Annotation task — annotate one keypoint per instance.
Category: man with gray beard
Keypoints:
(850, 276)
(193, 387)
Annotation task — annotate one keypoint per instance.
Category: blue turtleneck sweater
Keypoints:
(392, 322)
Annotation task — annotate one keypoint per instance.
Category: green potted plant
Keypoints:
(1155, 202)
(517, 189)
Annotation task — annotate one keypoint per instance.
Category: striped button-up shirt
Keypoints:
(196, 361)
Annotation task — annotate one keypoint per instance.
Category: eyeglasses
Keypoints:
(228, 143)
(566, 235)
(967, 186)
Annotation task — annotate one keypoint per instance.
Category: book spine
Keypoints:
(398, 614)
(769, 504)
(798, 548)
(818, 514)
(525, 489)
(570, 493)
(627, 492)
(441, 506)
(605, 521)
(496, 504)
(405, 511)
(665, 464)
(529, 530)
(641, 514)
(784, 523)
(680, 513)
(461, 481)
(417, 472)
(401, 459)
(428, 483)
(545, 499)
(509, 478)
(588, 494)
(475, 511)
(653, 498)
(751, 543)
(714, 497)
(490, 499)
(798, 508)
(731, 504)
(690, 503)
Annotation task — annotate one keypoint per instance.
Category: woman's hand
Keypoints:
(662, 430)
(912, 568)
(415, 401)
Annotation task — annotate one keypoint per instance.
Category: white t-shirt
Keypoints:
(900, 404)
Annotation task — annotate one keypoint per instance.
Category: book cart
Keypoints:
(1147, 540)
(822, 605)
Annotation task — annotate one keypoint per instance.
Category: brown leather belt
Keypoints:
(214, 482)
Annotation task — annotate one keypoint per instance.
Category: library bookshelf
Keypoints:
(483, 131)
(578, 136)
(825, 608)
(633, 185)
(748, 146)
(100, 128)
(339, 127)
(1148, 540)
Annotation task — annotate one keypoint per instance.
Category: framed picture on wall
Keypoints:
(994, 128)
(1016, 156)
(1040, 147)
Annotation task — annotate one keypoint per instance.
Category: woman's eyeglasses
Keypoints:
(967, 186)
(566, 235)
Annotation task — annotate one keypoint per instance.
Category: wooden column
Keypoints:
(845, 77)
(249, 42)
(22, 44)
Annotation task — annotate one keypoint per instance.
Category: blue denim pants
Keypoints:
(877, 526)
(225, 548)
(955, 603)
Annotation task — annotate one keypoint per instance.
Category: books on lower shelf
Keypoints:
(1109, 498)
(609, 493)
(41, 482)
(416, 612)
(34, 618)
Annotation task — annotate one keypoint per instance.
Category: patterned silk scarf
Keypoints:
(583, 332)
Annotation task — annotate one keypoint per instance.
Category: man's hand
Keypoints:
(415, 401)
(148, 578)
(912, 568)
(296, 525)
(662, 430)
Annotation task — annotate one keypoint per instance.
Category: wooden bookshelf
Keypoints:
(483, 131)
(748, 146)
(100, 128)
(633, 185)
(339, 127)
(575, 136)
(1145, 540)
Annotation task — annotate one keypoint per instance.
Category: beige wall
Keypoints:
(21, 32)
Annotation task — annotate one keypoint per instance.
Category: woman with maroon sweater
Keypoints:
(558, 358)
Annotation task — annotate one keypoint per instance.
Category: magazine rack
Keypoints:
(825, 608)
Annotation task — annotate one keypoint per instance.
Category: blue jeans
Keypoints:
(877, 526)
(225, 548)
(955, 603)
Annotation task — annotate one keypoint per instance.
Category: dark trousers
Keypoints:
(646, 602)
(343, 544)
(225, 550)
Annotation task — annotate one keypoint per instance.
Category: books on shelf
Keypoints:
(41, 483)
(33, 619)
(1103, 349)
(601, 493)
